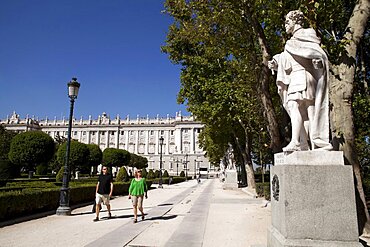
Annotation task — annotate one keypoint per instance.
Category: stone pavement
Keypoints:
(185, 214)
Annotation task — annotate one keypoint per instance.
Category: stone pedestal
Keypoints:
(231, 179)
(312, 201)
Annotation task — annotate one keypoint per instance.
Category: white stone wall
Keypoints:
(139, 136)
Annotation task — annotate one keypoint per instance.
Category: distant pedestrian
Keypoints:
(137, 190)
(104, 190)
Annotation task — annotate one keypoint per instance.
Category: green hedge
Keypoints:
(263, 190)
(19, 203)
(33, 200)
(175, 180)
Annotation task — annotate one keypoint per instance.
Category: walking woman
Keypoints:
(137, 190)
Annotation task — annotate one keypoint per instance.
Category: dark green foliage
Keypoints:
(115, 157)
(151, 174)
(5, 140)
(182, 174)
(8, 170)
(95, 155)
(122, 175)
(59, 176)
(138, 161)
(38, 196)
(156, 173)
(42, 169)
(165, 174)
(175, 180)
(30, 148)
(263, 190)
(144, 173)
(78, 156)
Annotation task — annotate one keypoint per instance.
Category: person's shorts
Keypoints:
(102, 198)
(137, 201)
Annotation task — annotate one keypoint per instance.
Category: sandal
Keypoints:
(142, 217)
(135, 220)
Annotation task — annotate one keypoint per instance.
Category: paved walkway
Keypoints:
(185, 214)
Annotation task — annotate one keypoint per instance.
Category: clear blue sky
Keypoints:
(112, 47)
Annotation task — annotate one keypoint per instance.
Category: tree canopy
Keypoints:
(78, 156)
(223, 47)
(138, 161)
(30, 148)
(115, 157)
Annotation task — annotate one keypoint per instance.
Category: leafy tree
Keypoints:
(42, 169)
(115, 157)
(53, 164)
(78, 156)
(7, 169)
(138, 161)
(30, 148)
(122, 175)
(220, 41)
(95, 155)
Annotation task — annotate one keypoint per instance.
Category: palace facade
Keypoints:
(180, 149)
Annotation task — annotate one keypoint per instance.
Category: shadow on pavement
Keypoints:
(167, 217)
(165, 204)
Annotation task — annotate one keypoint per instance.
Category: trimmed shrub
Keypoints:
(165, 174)
(150, 174)
(59, 176)
(144, 173)
(30, 148)
(42, 169)
(156, 174)
(182, 174)
(122, 175)
(78, 156)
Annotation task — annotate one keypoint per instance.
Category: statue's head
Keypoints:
(294, 17)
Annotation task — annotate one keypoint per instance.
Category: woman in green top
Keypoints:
(137, 190)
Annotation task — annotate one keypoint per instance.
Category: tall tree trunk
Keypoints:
(264, 82)
(341, 92)
(247, 156)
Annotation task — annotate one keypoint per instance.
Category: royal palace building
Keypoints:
(180, 149)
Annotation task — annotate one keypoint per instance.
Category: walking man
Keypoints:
(104, 190)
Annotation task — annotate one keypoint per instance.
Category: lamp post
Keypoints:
(195, 168)
(186, 167)
(64, 209)
(160, 162)
(177, 166)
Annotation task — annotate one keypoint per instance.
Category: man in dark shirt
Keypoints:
(104, 190)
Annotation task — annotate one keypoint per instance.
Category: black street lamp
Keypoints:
(186, 167)
(64, 209)
(195, 168)
(177, 166)
(160, 162)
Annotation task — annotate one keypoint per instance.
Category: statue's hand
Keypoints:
(272, 64)
(317, 63)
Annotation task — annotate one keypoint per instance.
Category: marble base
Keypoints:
(312, 201)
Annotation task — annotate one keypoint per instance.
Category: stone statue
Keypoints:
(230, 158)
(302, 81)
